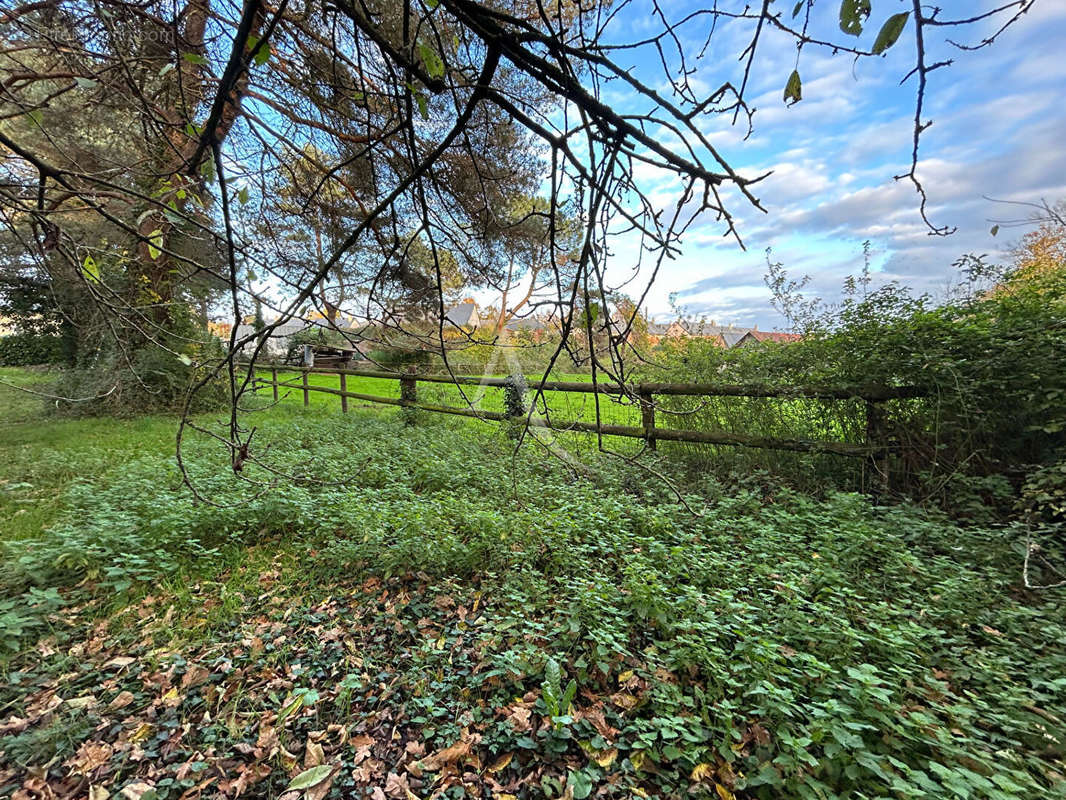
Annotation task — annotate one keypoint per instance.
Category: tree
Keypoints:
(166, 125)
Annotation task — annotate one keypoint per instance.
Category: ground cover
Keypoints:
(422, 612)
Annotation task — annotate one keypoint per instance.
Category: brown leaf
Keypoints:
(195, 676)
(13, 725)
(396, 785)
(122, 699)
(501, 762)
(313, 755)
(135, 790)
(452, 754)
(118, 662)
(90, 756)
(377, 794)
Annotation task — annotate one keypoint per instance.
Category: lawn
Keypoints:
(419, 611)
(562, 406)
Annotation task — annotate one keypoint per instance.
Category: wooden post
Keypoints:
(647, 416)
(409, 396)
(877, 460)
(307, 394)
(274, 378)
(344, 388)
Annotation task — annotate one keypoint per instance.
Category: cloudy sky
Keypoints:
(999, 130)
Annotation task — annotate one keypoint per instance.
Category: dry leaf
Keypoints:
(195, 676)
(135, 790)
(501, 762)
(606, 757)
(314, 755)
(90, 756)
(122, 699)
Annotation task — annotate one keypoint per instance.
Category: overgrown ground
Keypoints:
(422, 614)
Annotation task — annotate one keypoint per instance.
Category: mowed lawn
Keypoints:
(561, 406)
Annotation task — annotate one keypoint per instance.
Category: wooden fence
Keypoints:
(875, 448)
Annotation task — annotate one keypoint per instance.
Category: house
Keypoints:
(727, 336)
(463, 317)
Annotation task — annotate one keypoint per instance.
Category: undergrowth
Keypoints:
(767, 645)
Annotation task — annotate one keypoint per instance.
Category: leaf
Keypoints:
(724, 793)
(580, 784)
(501, 762)
(852, 14)
(90, 270)
(797, 9)
(86, 83)
(433, 62)
(995, 230)
(242, 196)
(309, 777)
(166, 68)
(34, 116)
(890, 31)
(606, 758)
(262, 55)
(194, 58)
(293, 705)
(701, 771)
(423, 105)
(155, 244)
(794, 88)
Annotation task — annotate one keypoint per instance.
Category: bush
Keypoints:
(994, 366)
(28, 349)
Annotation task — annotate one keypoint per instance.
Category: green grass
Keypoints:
(425, 590)
(562, 406)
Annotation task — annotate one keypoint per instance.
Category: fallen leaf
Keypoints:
(313, 755)
(90, 756)
(501, 762)
(195, 676)
(98, 793)
(309, 777)
(136, 790)
(122, 699)
(118, 662)
(606, 757)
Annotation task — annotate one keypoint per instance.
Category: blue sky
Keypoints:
(999, 128)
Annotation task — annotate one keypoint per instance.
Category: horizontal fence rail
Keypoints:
(875, 448)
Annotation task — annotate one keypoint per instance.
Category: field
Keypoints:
(564, 406)
(419, 611)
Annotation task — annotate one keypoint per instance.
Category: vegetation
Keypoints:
(396, 617)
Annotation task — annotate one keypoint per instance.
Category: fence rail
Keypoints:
(875, 448)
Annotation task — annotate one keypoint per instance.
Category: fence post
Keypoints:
(344, 388)
(647, 416)
(307, 395)
(274, 379)
(877, 460)
(409, 396)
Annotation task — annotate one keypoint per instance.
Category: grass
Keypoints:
(564, 406)
(421, 609)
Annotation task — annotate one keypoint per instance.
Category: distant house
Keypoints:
(463, 317)
(727, 336)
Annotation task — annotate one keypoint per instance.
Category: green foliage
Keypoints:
(26, 349)
(993, 363)
(777, 647)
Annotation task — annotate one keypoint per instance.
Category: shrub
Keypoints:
(28, 349)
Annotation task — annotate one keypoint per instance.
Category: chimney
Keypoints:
(756, 327)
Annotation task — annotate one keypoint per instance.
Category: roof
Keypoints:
(733, 338)
(463, 315)
(525, 324)
(775, 336)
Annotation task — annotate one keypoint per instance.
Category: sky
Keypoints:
(999, 131)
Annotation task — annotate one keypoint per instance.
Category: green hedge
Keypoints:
(26, 349)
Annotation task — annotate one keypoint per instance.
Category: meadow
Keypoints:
(422, 611)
